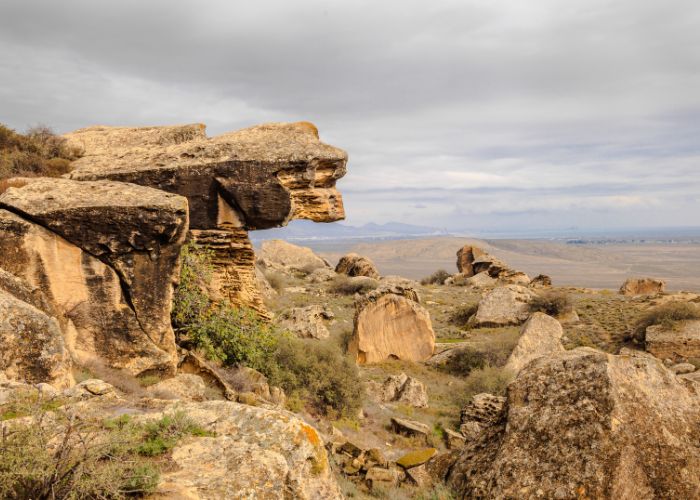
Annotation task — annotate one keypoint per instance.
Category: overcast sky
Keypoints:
(468, 115)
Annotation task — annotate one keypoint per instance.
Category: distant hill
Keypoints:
(301, 230)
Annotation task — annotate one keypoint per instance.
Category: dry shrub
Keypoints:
(437, 278)
(552, 303)
(491, 379)
(276, 280)
(345, 285)
(666, 315)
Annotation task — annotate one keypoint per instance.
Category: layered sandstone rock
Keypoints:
(642, 286)
(284, 256)
(502, 306)
(356, 265)
(257, 178)
(678, 343)
(602, 426)
(391, 326)
(540, 336)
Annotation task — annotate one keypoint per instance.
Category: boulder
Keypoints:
(678, 343)
(472, 261)
(283, 256)
(683, 368)
(400, 389)
(541, 281)
(307, 322)
(454, 440)
(254, 453)
(391, 326)
(599, 426)
(33, 348)
(95, 308)
(480, 280)
(356, 265)
(503, 306)
(322, 275)
(257, 178)
(540, 336)
(416, 458)
(185, 386)
(382, 476)
(408, 427)
(642, 286)
(465, 259)
(481, 412)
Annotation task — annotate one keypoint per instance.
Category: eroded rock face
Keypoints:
(33, 349)
(284, 256)
(602, 426)
(502, 306)
(540, 336)
(356, 265)
(481, 412)
(389, 326)
(256, 453)
(678, 343)
(473, 260)
(642, 286)
(87, 296)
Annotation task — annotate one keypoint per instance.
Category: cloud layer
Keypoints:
(458, 114)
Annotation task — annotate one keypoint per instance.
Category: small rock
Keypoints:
(409, 427)
(416, 458)
(382, 475)
(454, 440)
(683, 368)
(419, 476)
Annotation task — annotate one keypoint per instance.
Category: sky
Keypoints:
(465, 115)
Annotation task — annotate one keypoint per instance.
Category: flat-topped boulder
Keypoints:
(256, 178)
(586, 424)
(642, 286)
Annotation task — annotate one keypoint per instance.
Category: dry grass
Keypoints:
(6, 184)
(666, 315)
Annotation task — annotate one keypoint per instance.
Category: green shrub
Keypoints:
(461, 314)
(552, 303)
(191, 300)
(162, 435)
(318, 373)
(345, 285)
(437, 278)
(666, 315)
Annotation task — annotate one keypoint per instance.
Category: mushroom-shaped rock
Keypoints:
(391, 326)
(502, 306)
(642, 286)
(356, 265)
(540, 336)
(584, 423)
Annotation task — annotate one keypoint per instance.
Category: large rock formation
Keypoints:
(284, 256)
(473, 260)
(105, 256)
(356, 265)
(466, 257)
(642, 286)
(585, 424)
(502, 306)
(257, 178)
(391, 326)
(678, 343)
(540, 336)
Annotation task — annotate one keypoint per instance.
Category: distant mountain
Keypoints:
(307, 230)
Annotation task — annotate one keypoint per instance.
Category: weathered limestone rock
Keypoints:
(473, 260)
(22, 290)
(391, 326)
(33, 349)
(97, 317)
(401, 389)
(185, 386)
(356, 265)
(683, 368)
(481, 412)
(256, 178)
(137, 231)
(466, 257)
(678, 343)
(502, 306)
(454, 440)
(409, 428)
(601, 426)
(307, 322)
(283, 256)
(480, 280)
(642, 286)
(256, 453)
(540, 336)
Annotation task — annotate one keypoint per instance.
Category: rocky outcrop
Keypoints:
(678, 343)
(602, 426)
(391, 326)
(283, 256)
(473, 260)
(502, 306)
(399, 389)
(102, 309)
(307, 322)
(356, 265)
(481, 412)
(541, 281)
(642, 286)
(33, 348)
(257, 178)
(540, 336)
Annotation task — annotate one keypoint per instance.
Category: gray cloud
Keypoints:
(508, 113)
